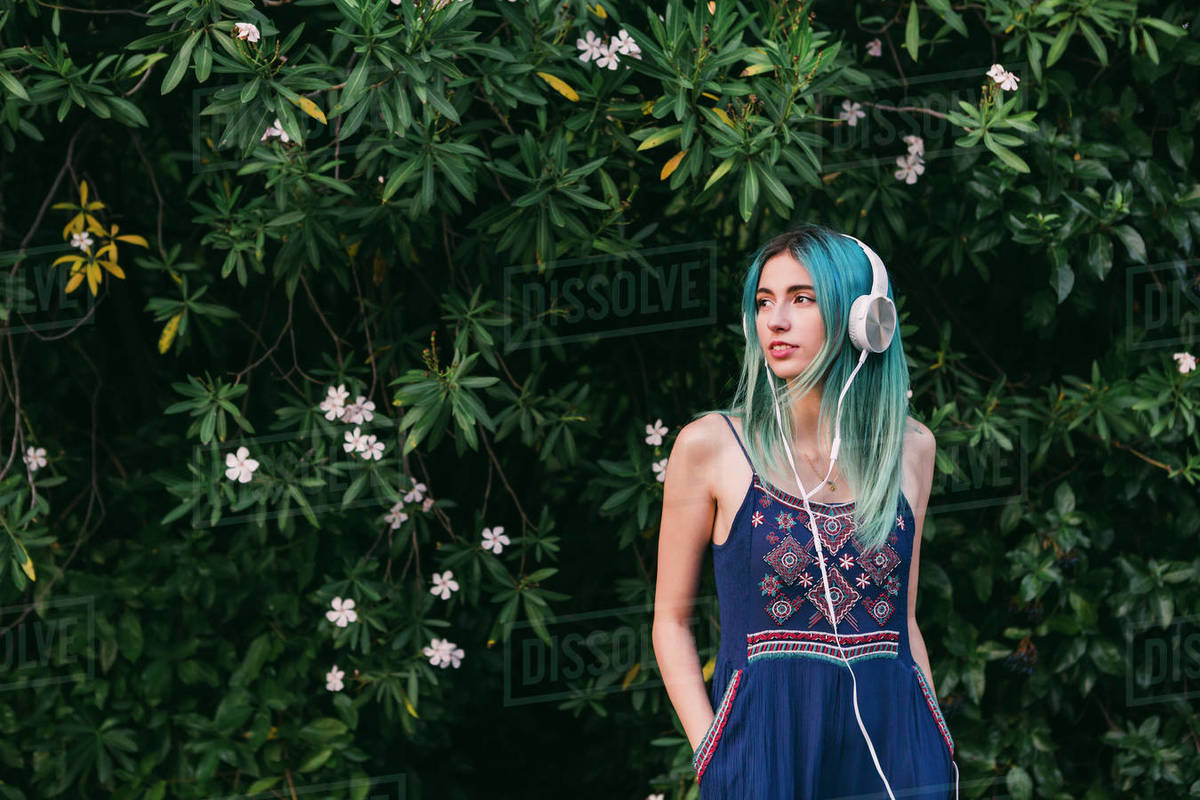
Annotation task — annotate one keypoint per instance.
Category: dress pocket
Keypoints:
(934, 709)
(708, 745)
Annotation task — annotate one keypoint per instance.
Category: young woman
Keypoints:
(805, 705)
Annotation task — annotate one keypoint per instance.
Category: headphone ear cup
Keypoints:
(872, 322)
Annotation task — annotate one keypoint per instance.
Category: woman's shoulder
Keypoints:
(702, 442)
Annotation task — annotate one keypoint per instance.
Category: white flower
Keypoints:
(608, 57)
(494, 539)
(625, 44)
(428, 504)
(239, 466)
(372, 448)
(909, 394)
(342, 613)
(655, 432)
(275, 130)
(875, 48)
(34, 458)
(247, 31)
(415, 493)
(660, 467)
(355, 441)
(333, 679)
(1187, 362)
(442, 652)
(851, 112)
(1006, 80)
(444, 584)
(910, 167)
(591, 46)
(360, 410)
(82, 240)
(396, 517)
(333, 404)
(916, 145)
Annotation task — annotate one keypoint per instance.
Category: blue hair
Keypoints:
(875, 407)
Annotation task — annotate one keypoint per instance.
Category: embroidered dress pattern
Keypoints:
(708, 744)
(815, 644)
(787, 709)
(935, 708)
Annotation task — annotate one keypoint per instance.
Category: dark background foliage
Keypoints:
(438, 157)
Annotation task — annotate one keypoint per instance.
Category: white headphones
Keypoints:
(872, 325)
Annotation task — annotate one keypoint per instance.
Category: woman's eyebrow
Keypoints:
(790, 289)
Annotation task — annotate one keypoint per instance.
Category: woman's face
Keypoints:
(787, 314)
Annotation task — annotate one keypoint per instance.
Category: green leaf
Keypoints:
(1062, 279)
(748, 197)
(1064, 499)
(952, 18)
(1100, 254)
(1151, 47)
(1004, 154)
(1097, 45)
(719, 172)
(180, 63)
(1018, 783)
(1133, 242)
(912, 31)
(1162, 25)
(129, 635)
(1060, 43)
(14, 87)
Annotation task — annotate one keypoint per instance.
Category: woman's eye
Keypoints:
(759, 303)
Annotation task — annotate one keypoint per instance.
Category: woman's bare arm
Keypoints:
(684, 536)
(923, 448)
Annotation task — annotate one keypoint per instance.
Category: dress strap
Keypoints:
(739, 441)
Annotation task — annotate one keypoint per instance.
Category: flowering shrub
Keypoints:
(319, 476)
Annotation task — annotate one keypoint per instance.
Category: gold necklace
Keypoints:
(832, 485)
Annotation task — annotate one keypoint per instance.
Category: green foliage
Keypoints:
(348, 205)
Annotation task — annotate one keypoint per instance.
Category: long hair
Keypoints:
(875, 407)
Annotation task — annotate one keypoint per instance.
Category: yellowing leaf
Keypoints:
(312, 109)
(647, 107)
(709, 668)
(133, 238)
(754, 69)
(720, 112)
(709, 95)
(408, 704)
(630, 675)
(23, 557)
(114, 268)
(670, 166)
(719, 172)
(168, 333)
(600, 12)
(560, 86)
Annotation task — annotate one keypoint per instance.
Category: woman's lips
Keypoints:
(781, 352)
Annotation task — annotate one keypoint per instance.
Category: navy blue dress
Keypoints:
(785, 727)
